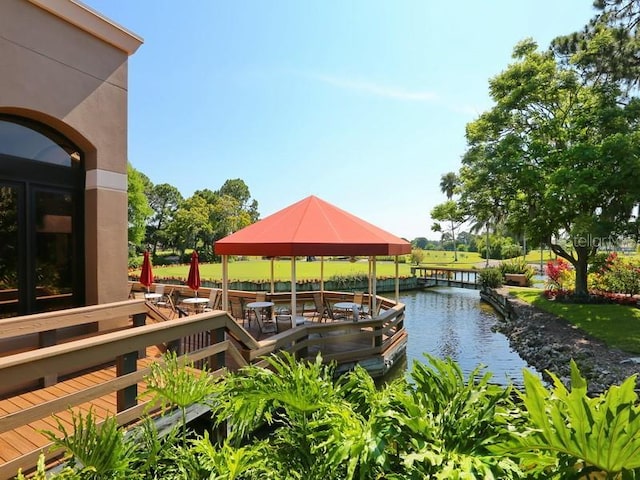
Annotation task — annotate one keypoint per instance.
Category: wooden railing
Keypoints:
(227, 340)
(452, 277)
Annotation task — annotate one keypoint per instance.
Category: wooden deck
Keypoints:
(29, 438)
(111, 378)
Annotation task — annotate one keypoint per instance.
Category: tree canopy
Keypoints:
(558, 154)
(159, 215)
(138, 205)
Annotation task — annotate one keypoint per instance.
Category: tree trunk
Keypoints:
(581, 265)
(487, 247)
(455, 247)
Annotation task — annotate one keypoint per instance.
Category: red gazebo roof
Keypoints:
(311, 227)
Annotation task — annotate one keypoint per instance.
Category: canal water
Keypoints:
(453, 322)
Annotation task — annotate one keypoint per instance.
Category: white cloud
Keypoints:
(387, 91)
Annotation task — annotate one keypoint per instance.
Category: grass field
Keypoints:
(256, 269)
(617, 325)
(260, 270)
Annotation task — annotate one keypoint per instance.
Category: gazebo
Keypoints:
(311, 227)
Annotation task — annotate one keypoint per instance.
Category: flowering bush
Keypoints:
(560, 275)
(618, 276)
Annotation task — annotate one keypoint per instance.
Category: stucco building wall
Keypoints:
(66, 66)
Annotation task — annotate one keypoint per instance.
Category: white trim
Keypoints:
(92, 22)
(106, 180)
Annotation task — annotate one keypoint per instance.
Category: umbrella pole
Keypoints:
(293, 292)
(225, 285)
(322, 278)
(374, 282)
(397, 281)
(272, 284)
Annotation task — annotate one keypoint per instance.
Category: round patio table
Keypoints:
(197, 302)
(346, 307)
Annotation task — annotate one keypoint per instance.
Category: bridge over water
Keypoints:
(446, 277)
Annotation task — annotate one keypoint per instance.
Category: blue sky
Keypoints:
(362, 103)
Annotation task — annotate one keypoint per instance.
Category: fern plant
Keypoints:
(96, 452)
(598, 435)
(174, 382)
(449, 423)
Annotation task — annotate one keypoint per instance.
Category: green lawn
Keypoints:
(260, 270)
(440, 258)
(617, 325)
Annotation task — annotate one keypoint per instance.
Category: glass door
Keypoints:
(54, 252)
(10, 249)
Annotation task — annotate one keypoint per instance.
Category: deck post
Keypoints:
(217, 361)
(139, 320)
(377, 339)
(48, 339)
(128, 396)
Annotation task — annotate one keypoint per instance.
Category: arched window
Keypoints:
(41, 219)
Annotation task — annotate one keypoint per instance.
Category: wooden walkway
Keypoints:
(29, 438)
(446, 277)
(111, 379)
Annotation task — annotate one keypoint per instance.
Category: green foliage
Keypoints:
(229, 462)
(510, 250)
(587, 435)
(554, 155)
(417, 256)
(138, 205)
(619, 275)
(448, 423)
(174, 382)
(295, 421)
(97, 452)
(617, 325)
(517, 266)
(348, 282)
(67, 473)
(490, 277)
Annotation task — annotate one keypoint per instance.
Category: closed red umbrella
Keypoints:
(146, 275)
(193, 280)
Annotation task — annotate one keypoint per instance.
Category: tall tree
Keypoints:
(191, 226)
(138, 205)
(450, 213)
(236, 188)
(607, 50)
(164, 200)
(561, 154)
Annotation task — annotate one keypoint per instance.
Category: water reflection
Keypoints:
(453, 322)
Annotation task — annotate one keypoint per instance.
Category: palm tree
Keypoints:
(448, 183)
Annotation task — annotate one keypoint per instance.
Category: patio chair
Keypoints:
(168, 302)
(331, 315)
(214, 299)
(267, 326)
(358, 299)
(237, 309)
(159, 294)
(283, 322)
(320, 313)
(265, 313)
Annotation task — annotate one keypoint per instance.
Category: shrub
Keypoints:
(511, 250)
(560, 275)
(618, 275)
(417, 256)
(490, 277)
